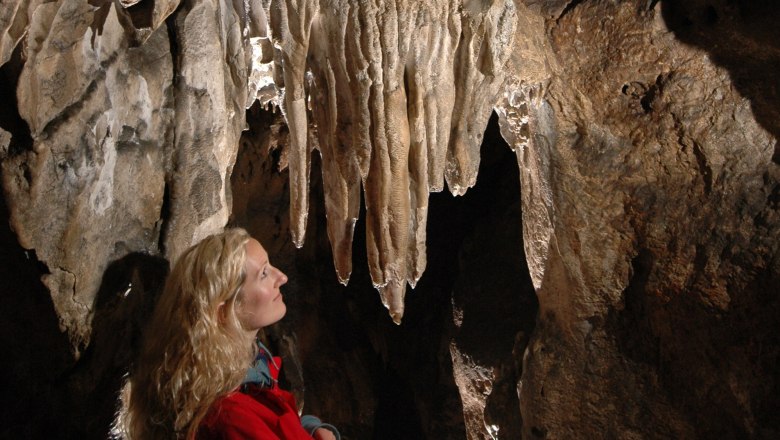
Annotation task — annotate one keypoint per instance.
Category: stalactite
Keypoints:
(400, 93)
(520, 102)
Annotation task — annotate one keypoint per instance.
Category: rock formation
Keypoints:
(400, 93)
(645, 139)
(650, 220)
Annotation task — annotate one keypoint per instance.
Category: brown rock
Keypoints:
(91, 188)
(652, 231)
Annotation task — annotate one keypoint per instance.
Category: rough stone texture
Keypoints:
(370, 377)
(90, 189)
(653, 165)
(211, 99)
(13, 25)
(261, 186)
(646, 138)
(5, 142)
(123, 134)
(133, 133)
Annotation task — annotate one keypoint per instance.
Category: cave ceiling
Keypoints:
(395, 96)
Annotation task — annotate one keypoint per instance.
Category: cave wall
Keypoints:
(651, 151)
(131, 133)
(645, 139)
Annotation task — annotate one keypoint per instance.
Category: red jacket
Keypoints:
(254, 412)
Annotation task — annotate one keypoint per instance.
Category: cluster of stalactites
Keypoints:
(395, 94)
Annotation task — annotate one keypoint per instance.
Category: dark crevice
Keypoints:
(35, 352)
(538, 432)
(397, 416)
(652, 91)
(700, 260)
(704, 168)
(99, 18)
(645, 94)
(166, 210)
(710, 16)
(569, 7)
(124, 301)
(164, 219)
(400, 380)
(142, 14)
(651, 4)
(632, 325)
(10, 120)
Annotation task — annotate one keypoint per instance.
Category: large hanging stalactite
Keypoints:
(400, 93)
(645, 133)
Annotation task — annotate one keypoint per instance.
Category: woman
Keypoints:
(201, 373)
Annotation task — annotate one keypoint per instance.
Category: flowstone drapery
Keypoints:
(399, 94)
(133, 132)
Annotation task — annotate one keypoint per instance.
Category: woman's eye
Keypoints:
(264, 273)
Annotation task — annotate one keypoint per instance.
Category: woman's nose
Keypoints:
(282, 280)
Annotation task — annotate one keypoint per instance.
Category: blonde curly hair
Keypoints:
(194, 350)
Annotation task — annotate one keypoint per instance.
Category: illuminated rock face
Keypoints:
(650, 176)
(400, 93)
(99, 115)
(123, 157)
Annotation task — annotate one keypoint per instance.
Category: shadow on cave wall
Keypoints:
(34, 351)
(476, 265)
(47, 393)
(370, 377)
(742, 36)
(719, 368)
(124, 303)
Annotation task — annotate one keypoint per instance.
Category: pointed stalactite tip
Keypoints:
(392, 295)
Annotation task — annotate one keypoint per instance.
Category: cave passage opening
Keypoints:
(475, 301)
(371, 377)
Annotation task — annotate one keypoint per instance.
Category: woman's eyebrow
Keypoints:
(259, 268)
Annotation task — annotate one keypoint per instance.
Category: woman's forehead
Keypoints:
(255, 253)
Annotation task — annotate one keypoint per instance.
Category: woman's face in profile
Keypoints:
(260, 301)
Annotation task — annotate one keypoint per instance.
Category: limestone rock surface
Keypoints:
(400, 93)
(90, 189)
(650, 220)
(133, 134)
(646, 139)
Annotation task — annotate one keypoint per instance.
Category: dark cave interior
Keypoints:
(473, 265)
